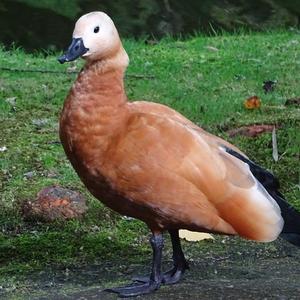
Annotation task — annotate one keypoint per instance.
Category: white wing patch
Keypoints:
(266, 208)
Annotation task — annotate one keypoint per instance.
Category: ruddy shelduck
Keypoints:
(147, 161)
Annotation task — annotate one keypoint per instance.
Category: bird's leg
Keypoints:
(155, 280)
(179, 262)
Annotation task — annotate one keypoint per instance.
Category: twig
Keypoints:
(35, 70)
(140, 76)
(282, 155)
(137, 76)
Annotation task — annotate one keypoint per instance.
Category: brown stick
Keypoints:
(137, 76)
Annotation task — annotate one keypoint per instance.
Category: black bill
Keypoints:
(75, 50)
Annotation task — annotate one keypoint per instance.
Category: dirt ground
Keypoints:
(244, 271)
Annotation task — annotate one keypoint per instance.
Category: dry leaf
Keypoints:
(252, 103)
(194, 236)
(251, 130)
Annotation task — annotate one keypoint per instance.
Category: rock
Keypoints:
(55, 203)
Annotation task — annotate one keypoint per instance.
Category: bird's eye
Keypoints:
(96, 29)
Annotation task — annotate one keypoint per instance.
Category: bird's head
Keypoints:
(95, 37)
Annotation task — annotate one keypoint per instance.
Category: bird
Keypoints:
(147, 161)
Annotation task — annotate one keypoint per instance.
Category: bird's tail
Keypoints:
(291, 217)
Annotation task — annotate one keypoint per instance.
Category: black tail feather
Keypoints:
(291, 217)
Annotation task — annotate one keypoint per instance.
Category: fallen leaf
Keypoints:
(251, 130)
(252, 103)
(194, 236)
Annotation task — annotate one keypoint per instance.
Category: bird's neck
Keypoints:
(100, 83)
(94, 112)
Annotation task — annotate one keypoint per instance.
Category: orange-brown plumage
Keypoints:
(147, 161)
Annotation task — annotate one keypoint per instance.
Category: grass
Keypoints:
(207, 85)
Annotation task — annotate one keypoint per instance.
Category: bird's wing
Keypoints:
(178, 170)
(164, 111)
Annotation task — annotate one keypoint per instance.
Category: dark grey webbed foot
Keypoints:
(180, 264)
(146, 285)
(135, 289)
(170, 277)
(174, 275)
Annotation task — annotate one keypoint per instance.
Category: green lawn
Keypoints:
(205, 78)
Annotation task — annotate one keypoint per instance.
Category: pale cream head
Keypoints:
(99, 35)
